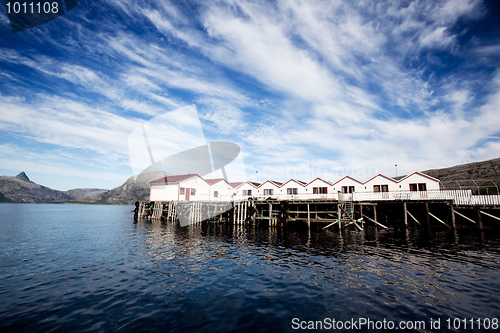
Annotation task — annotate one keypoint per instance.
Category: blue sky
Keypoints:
(305, 88)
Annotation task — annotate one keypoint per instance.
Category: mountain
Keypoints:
(85, 193)
(129, 192)
(23, 176)
(481, 176)
(22, 189)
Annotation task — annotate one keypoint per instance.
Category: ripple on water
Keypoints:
(89, 268)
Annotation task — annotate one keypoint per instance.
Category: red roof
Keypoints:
(381, 175)
(357, 181)
(173, 179)
(318, 178)
(239, 184)
(275, 183)
(295, 180)
(419, 173)
(213, 181)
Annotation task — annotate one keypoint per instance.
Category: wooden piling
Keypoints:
(427, 212)
(308, 217)
(270, 214)
(479, 218)
(406, 214)
(453, 217)
(361, 213)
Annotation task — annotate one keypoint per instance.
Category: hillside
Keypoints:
(83, 193)
(130, 191)
(22, 189)
(485, 174)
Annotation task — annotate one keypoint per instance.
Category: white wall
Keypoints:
(319, 183)
(268, 185)
(204, 191)
(380, 180)
(416, 178)
(225, 191)
(245, 187)
(163, 192)
(346, 181)
(201, 186)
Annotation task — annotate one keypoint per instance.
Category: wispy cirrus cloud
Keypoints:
(344, 83)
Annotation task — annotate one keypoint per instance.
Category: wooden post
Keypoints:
(270, 214)
(427, 211)
(239, 212)
(479, 218)
(308, 217)
(234, 213)
(406, 214)
(361, 213)
(242, 207)
(246, 211)
(453, 216)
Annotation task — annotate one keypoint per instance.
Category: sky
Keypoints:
(306, 89)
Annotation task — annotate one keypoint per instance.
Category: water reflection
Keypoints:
(63, 266)
(168, 240)
(406, 274)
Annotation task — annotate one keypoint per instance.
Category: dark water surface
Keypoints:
(90, 268)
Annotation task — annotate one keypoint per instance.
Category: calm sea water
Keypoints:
(92, 269)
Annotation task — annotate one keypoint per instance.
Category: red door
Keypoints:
(188, 191)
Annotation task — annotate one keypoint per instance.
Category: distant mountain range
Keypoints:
(484, 175)
(21, 189)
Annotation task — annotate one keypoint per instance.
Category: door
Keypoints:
(188, 192)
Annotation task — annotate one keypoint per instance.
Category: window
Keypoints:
(344, 189)
(376, 188)
(181, 191)
(351, 189)
(216, 194)
(320, 190)
(193, 191)
(385, 188)
(288, 191)
(249, 192)
(295, 191)
(422, 187)
(413, 187)
(292, 190)
(244, 192)
(268, 191)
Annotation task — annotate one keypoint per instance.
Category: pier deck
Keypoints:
(380, 212)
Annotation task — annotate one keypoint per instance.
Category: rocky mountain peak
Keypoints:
(22, 175)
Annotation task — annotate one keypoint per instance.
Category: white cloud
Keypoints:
(345, 84)
(66, 123)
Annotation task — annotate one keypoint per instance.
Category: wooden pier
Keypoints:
(327, 213)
